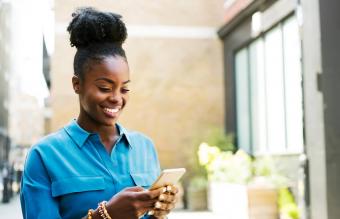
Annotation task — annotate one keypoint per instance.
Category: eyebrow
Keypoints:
(110, 81)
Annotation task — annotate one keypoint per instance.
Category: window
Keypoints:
(269, 92)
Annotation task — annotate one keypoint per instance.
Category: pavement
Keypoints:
(12, 210)
(193, 215)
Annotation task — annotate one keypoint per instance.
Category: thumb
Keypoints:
(134, 189)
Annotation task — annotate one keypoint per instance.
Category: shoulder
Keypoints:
(42, 151)
(51, 146)
(52, 140)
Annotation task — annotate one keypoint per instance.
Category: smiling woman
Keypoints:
(93, 158)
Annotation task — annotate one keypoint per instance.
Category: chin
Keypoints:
(109, 122)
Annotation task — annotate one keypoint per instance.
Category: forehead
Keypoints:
(112, 67)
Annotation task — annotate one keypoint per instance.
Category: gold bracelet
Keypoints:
(105, 210)
(102, 210)
(90, 213)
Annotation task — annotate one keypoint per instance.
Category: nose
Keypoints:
(115, 97)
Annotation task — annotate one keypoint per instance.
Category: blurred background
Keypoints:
(242, 93)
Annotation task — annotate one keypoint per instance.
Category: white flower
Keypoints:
(207, 153)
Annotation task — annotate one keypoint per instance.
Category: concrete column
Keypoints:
(321, 34)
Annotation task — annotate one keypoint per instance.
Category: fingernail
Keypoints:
(161, 197)
(164, 189)
(158, 205)
(151, 212)
(168, 188)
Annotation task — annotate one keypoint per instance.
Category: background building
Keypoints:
(4, 76)
(263, 79)
(281, 79)
(26, 41)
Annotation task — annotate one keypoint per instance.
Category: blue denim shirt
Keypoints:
(69, 171)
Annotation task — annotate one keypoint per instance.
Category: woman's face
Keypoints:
(103, 91)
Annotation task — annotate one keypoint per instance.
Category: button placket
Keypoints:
(103, 154)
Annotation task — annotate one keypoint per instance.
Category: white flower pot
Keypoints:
(229, 200)
(234, 201)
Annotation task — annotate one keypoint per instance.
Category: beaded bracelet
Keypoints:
(90, 213)
(102, 210)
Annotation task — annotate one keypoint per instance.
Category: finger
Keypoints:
(163, 188)
(161, 217)
(160, 214)
(150, 195)
(164, 206)
(170, 206)
(172, 189)
(151, 212)
(167, 198)
(147, 206)
(134, 189)
(148, 209)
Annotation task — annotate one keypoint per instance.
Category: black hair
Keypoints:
(96, 35)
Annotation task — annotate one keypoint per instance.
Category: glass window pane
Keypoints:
(293, 85)
(242, 100)
(258, 96)
(276, 136)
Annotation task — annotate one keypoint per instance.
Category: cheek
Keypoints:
(126, 98)
(91, 99)
(85, 103)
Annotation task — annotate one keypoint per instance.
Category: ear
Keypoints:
(76, 84)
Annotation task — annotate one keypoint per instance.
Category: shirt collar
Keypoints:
(123, 132)
(79, 135)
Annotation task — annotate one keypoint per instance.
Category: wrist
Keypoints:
(96, 214)
(103, 211)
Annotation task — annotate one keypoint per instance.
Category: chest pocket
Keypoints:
(77, 184)
(144, 180)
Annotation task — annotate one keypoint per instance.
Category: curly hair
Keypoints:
(96, 35)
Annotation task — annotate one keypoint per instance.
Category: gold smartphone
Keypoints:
(168, 177)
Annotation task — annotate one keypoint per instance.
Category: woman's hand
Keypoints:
(166, 202)
(131, 203)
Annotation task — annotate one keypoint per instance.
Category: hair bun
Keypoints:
(90, 26)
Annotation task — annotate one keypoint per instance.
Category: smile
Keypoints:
(111, 111)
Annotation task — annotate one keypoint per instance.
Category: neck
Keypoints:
(107, 133)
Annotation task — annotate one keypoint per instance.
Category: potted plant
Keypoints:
(196, 193)
(240, 187)
(228, 174)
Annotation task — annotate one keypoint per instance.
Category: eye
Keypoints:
(125, 90)
(104, 89)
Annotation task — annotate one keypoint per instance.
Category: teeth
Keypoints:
(114, 110)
